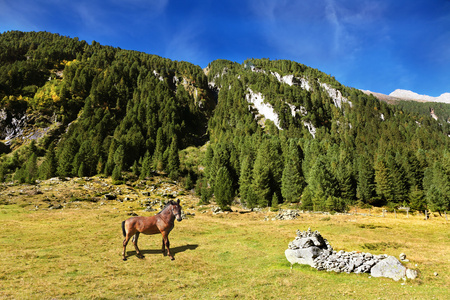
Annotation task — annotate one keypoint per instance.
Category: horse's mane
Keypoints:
(171, 202)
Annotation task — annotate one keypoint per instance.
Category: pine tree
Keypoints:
(383, 187)
(291, 183)
(136, 169)
(65, 159)
(48, 167)
(188, 183)
(146, 165)
(274, 206)
(248, 197)
(366, 187)
(159, 150)
(261, 179)
(116, 175)
(31, 168)
(3, 172)
(223, 190)
(173, 162)
(82, 170)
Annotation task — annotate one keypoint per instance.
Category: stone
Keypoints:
(312, 249)
(110, 196)
(411, 274)
(402, 257)
(390, 267)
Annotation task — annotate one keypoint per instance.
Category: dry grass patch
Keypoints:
(75, 253)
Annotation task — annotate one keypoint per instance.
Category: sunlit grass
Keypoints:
(76, 253)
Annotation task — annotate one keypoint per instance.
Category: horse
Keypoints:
(162, 222)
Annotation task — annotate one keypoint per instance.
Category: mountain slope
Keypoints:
(274, 131)
(436, 107)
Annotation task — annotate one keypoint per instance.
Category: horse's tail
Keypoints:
(123, 229)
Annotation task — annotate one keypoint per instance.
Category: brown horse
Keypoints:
(162, 222)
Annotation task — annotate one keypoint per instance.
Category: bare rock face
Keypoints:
(310, 248)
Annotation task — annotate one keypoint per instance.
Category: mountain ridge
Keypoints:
(400, 94)
(266, 131)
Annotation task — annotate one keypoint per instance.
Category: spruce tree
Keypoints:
(383, 187)
(365, 180)
(146, 165)
(158, 156)
(48, 167)
(116, 175)
(65, 159)
(31, 169)
(247, 194)
(261, 179)
(173, 162)
(223, 190)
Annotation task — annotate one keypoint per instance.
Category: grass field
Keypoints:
(75, 253)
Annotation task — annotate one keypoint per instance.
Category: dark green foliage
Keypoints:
(133, 112)
(48, 167)
(223, 190)
(173, 163)
(116, 175)
(292, 181)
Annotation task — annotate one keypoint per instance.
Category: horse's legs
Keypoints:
(166, 243)
(135, 241)
(128, 235)
(125, 243)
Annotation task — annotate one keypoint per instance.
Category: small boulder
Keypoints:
(390, 267)
(411, 274)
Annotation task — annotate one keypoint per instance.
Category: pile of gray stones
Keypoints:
(310, 248)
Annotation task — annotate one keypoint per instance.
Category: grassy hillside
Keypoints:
(75, 251)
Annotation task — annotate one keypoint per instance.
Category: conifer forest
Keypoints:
(69, 108)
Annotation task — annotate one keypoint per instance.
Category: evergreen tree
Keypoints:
(435, 200)
(274, 206)
(82, 170)
(48, 167)
(188, 183)
(31, 168)
(116, 175)
(136, 169)
(291, 183)
(261, 179)
(3, 172)
(146, 165)
(159, 150)
(417, 200)
(65, 159)
(365, 183)
(223, 190)
(173, 163)
(248, 197)
(383, 187)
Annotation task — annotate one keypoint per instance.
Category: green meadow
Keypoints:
(75, 253)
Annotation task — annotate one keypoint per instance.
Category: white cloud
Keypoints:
(184, 44)
(321, 29)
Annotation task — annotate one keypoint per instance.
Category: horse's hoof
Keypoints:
(124, 259)
(141, 256)
(172, 258)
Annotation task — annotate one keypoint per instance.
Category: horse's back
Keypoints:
(145, 225)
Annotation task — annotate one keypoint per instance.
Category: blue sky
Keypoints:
(376, 45)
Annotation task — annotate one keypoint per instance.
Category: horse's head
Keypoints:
(176, 210)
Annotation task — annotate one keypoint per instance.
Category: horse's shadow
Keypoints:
(173, 250)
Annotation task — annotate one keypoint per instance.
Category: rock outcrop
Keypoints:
(310, 248)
